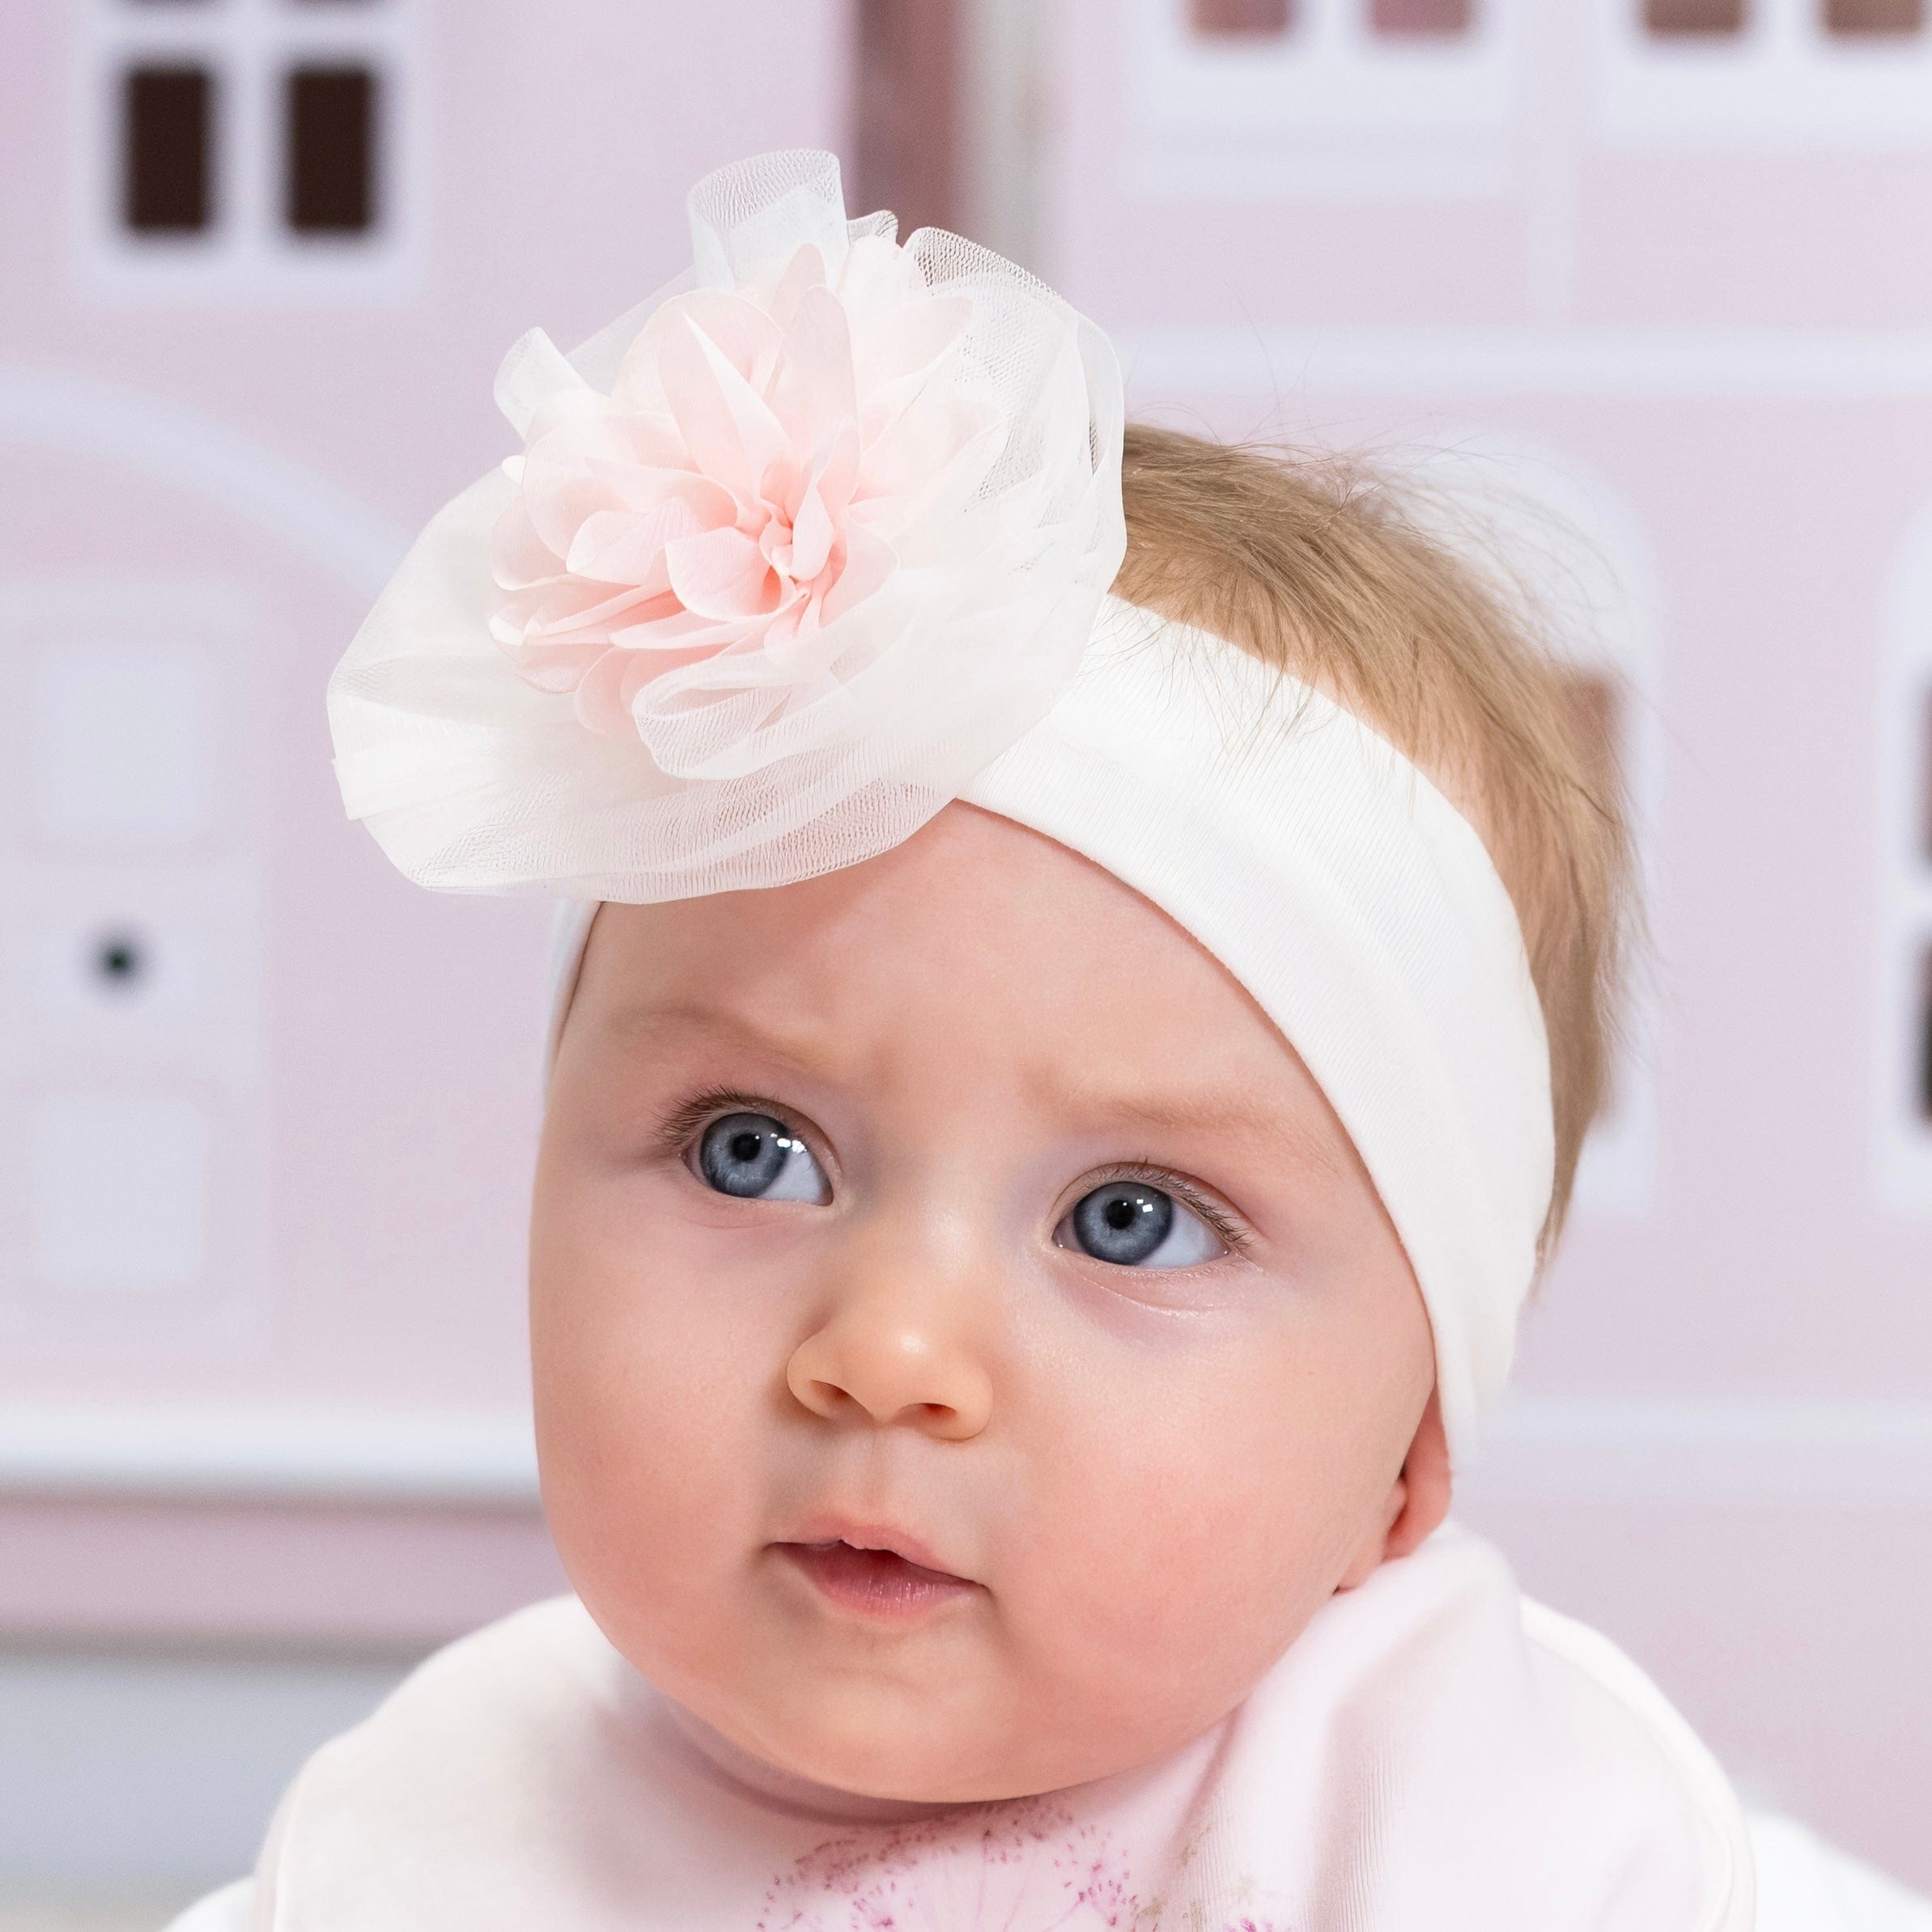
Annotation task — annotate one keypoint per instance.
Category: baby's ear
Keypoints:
(1418, 1500)
(1425, 1484)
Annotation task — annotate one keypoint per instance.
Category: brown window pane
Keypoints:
(168, 141)
(1874, 16)
(1694, 16)
(1421, 16)
(331, 185)
(1251, 17)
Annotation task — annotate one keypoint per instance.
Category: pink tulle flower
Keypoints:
(789, 554)
(767, 459)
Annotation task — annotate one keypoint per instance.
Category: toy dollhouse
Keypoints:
(1646, 278)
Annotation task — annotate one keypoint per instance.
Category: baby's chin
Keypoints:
(873, 1741)
(879, 1740)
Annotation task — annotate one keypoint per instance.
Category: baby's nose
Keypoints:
(870, 1363)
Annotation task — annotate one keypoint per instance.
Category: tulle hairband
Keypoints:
(817, 540)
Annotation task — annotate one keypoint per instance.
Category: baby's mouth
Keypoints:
(877, 1583)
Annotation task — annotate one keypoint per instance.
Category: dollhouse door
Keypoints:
(132, 1205)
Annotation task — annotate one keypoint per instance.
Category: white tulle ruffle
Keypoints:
(790, 553)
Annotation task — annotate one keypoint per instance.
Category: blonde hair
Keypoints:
(1320, 567)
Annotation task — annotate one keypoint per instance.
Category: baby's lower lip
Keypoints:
(874, 1583)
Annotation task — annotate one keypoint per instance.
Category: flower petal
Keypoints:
(869, 561)
(721, 574)
(899, 342)
(805, 270)
(519, 557)
(747, 336)
(813, 385)
(812, 535)
(627, 546)
(674, 628)
(729, 431)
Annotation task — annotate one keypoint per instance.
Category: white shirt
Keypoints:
(1434, 1754)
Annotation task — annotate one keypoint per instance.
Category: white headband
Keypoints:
(817, 541)
(1358, 907)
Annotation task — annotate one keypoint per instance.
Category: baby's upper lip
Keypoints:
(870, 1536)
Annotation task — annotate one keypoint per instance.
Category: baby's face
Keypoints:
(968, 1349)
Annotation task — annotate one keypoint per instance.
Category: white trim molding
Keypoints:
(1701, 1452)
(1683, 1452)
(78, 416)
(422, 1458)
(1750, 364)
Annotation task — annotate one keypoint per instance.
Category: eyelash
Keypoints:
(1230, 1228)
(675, 1137)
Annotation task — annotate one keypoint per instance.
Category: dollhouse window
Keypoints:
(1851, 75)
(267, 148)
(1275, 97)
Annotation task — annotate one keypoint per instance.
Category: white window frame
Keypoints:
(1328, 106)
(247, 256)
(1784, 82)
(1902, 1134)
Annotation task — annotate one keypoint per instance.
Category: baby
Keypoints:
(1085, 971)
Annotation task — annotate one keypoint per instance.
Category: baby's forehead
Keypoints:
(974, 915)
(977, 953)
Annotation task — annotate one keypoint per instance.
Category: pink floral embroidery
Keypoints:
(1029, 1867)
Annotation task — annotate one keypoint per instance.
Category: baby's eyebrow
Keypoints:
(1321, 1146)
(637, 1025)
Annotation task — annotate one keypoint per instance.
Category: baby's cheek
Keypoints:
(1192, 1544)
(645, 1410)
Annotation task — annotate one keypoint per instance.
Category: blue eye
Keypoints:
(755, 1157)
(1133, 1224)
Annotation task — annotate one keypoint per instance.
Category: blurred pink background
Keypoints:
(1651, 272)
